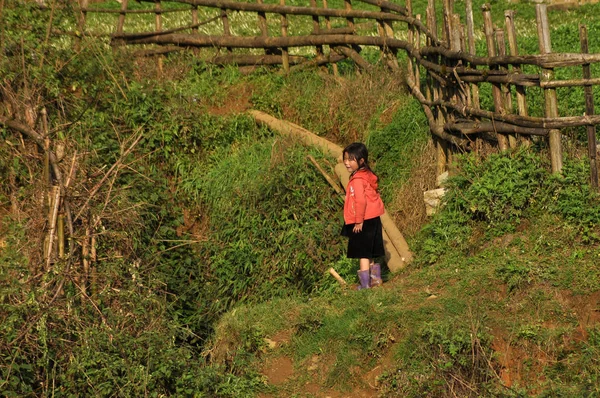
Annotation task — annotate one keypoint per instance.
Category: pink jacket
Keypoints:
(362, 199)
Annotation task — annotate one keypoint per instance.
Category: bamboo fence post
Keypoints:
(411, 40)
(285, 57)
(83, 5)
(549, 93)
(226, 27)
(348, 7)
(121, 22)
(417, 45)
(158, 24)
(316, 28)
(589, 109)
(471, 48)
(195, 19)
(336, 71)
(491, 48)
(505, 88)
(385, 30)
(509, 16)
(435, 93)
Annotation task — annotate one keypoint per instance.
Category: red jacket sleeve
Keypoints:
(360, 200)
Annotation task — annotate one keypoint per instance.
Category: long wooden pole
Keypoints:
(511, 34)
(551, 103)
(284, 32)
(496, 91)
(589, 110)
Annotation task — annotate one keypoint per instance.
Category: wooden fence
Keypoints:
(444, 73)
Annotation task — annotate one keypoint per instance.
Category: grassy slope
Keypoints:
(510, 315)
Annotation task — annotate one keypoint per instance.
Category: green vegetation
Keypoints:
(212, 238)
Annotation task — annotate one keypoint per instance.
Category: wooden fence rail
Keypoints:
(443, 70)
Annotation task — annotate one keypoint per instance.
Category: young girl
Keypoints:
(362, 209)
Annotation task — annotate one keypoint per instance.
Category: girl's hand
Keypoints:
(357, 228)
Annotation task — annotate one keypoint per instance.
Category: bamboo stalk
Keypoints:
(551, 107)
(509, 17)
(336, 72)
(471, 47)
(491, 48)
(53, 221)
(121, 20)
(158, 27)
(284, 32)
(194, 11)
(316, 28)
(505, 88)
(589, 110)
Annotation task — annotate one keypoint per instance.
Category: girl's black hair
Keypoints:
(357, 151)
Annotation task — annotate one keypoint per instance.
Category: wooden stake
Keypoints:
(284, 50)
(505, 88)
(549, 93)
(336, 71)
(158, 24)
(509, 17)
(589, 110)
(491, 48)
(121, 20)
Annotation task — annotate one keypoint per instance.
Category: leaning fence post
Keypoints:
(491, 49)
(547, 75)
(509, 17)
(589, 109)
(226, 28)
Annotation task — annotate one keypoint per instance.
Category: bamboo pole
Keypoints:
(505, 88)
(81, 22)
(226, 27)
(194, 19)
(410, 66)
(551, 107)
(316, 28)
(509, 17)
(491, 48)
(417, 44)
(53, 221)
(471, 48)
(121, 20)
(284, 32)
(589, 110)
(158, 24)
(334, 66)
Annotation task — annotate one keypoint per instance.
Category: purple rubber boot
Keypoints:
(376, 275)
(364, 278)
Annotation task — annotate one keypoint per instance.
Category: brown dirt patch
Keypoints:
(278, 370)
(237, 100)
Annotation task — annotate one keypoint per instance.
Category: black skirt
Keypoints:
(368, 243)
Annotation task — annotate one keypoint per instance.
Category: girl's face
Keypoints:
(351, 164)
